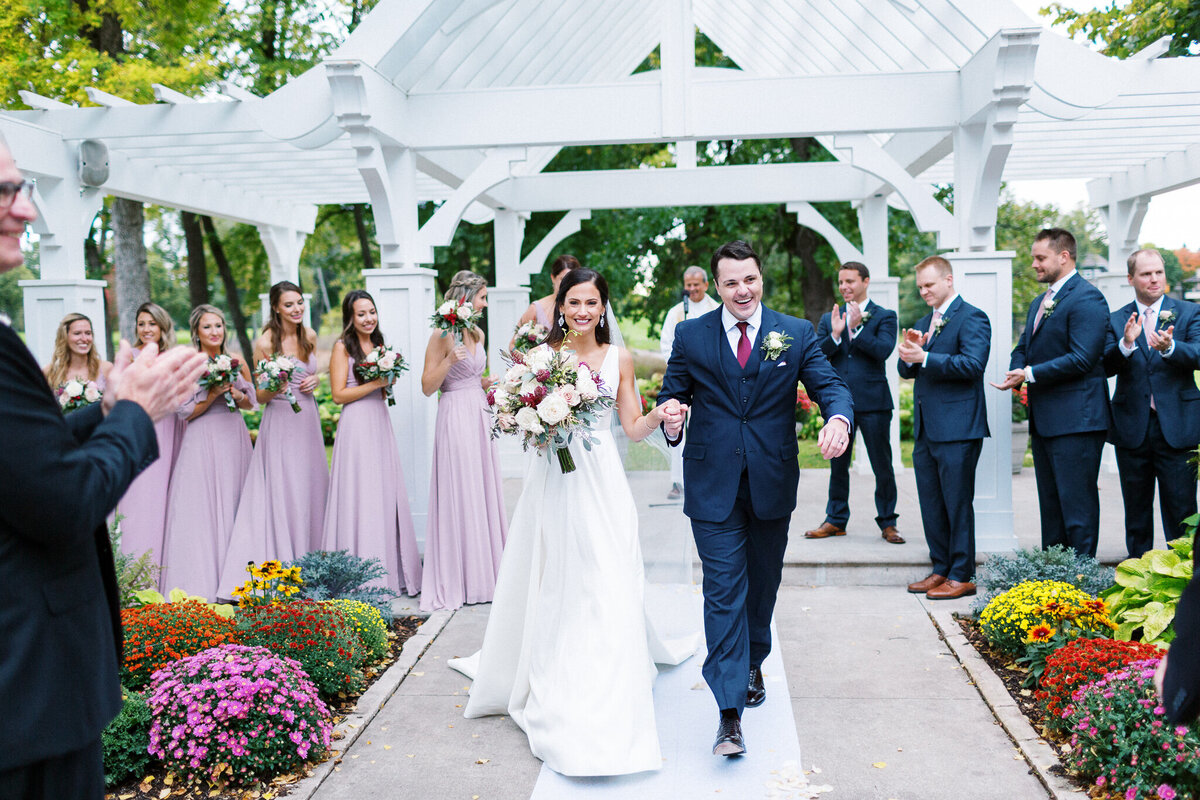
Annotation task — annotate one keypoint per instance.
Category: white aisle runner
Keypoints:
(687, 723)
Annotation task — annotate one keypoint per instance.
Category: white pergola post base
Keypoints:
(48, 300)
(404, 298)
(984, 279)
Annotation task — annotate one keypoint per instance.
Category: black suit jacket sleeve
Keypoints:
(677, 381)
(1181, 684)
(65, 487)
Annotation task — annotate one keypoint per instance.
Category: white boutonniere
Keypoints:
(865, 318)
(1166, 317)
(775, 344)
(941, 323)
(1048, 308)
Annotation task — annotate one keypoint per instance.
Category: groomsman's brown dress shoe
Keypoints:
(923, 586)
(826, 530)
(729, 738)
(951, 590)
(892, 535)
(756, 693)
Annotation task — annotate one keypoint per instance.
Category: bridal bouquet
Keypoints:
(549, 398)
(529, 336)
(456, 318)
(274, 374)
(221, 370)
(382, 362)
(74, 395)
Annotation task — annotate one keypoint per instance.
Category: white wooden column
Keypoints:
(984, 279)
(508, 299)
(283, 246)
(885, 290)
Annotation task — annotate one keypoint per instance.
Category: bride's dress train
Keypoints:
(568, 652)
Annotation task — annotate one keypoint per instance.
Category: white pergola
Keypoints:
(464, 102)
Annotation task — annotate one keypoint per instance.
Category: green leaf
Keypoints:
(1157, 622)
(148, 597)
(1132, 572)
(1125, 631)
(1163, 561)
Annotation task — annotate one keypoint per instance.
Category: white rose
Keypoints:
(73, 388)
(371, 357)
(91, 393)
(224, 363)
(586, 386)
(571, 360)
(387, 362)
(553, 409)
(501, 398)
(527, 420)
(446, 307)
(528, 387)
(506, 422)
(515, 374)
(540, 357)
(570, 394)
(63, 399)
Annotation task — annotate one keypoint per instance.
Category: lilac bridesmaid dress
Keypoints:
(205, 490)
(144, 506)
(283, 504)
(368, 512)
(466, 530)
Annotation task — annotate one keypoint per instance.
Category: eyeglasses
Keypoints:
(9, 192)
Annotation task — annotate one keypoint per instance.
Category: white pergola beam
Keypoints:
(1159, 175)
(165, 94)
(102, 98)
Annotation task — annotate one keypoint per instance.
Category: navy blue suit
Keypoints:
(1181, 684)
(740, 467)
(1156, 444)
(1068, 410)
(59, 618)
(862, 363)
(949, 425)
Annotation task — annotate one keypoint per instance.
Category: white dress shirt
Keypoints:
(1155, 309)
(730, 323)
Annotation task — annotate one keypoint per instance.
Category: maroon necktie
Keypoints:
(743, 351)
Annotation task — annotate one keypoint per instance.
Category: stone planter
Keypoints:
(1020, 441)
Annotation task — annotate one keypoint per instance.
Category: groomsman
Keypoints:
(1154, 353)
(696, 302)
(1061, 356)
(947, 353)
(858, 338)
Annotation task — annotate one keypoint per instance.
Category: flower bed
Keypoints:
(158, 634)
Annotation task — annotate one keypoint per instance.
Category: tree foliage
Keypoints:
(1126, 29)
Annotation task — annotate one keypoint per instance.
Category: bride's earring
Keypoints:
(562, 322)
(602, 322)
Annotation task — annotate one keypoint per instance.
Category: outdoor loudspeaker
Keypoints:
(93, 162)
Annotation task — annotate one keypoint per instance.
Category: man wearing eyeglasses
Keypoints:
(59, 621)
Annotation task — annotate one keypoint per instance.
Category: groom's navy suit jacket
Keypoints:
(745, 420)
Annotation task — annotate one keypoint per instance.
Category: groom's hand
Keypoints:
(672, 413)
(834, 438)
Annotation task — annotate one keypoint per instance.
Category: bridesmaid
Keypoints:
(210, 472)
(367, 512)
(540, 310)
(283, 505)
(466, 528)
(144, 506)
(75, 356)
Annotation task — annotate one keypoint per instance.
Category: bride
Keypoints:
(568, 653)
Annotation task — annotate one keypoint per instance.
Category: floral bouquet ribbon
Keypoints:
(456, 318)
(221, 370)
(528, 336)
(549, 398)
(275, 375)
(74, 395)
(382, 362)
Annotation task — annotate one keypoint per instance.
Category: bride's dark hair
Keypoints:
(573, 279)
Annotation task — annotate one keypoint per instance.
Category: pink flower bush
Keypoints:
(235, 714)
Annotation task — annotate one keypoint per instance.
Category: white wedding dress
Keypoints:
(568, 652)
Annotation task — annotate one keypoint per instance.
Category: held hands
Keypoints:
(158, 383)
(837, 323)
(1012, 380)
(1160, 340)
(833, 439)
(670, 415)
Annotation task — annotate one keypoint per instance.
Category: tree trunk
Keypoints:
(231, 289)
(197, 268)
(129, 260)
(816, 289)
(364, 241)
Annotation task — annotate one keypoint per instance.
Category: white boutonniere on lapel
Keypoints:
(865, 318)
(775, 344)
(1166, 317)
(941, 323)
(1048, 309)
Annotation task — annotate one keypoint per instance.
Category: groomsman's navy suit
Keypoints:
(862, 363)
(1181, 684)
(949, 425)
(1156, 443)
(1068, 410)
(740, 467)
(60, 629)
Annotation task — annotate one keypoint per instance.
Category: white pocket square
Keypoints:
(781, 364)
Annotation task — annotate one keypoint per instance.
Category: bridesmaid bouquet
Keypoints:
(529, 336)
(274, 374)
(74, 395)
(382, 362)
(221, 370)
(456, 318)
(549, 398)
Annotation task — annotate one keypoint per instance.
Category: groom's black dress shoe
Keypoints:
(729, 738)
(756, 693)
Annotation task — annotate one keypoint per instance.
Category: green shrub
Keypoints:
(338, 575)
(368, 624)
(126, 740)
(906, 411)
(318, 636)
(1147, 591)
(134, 573)
(1002, 571)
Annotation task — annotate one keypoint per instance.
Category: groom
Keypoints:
(737, 368)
